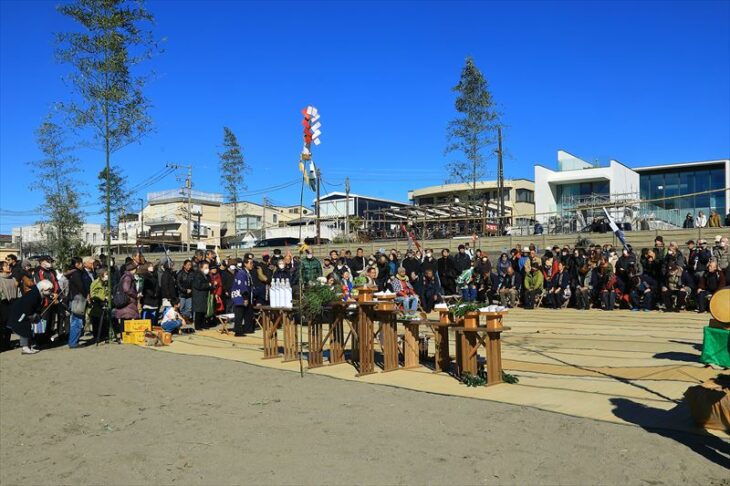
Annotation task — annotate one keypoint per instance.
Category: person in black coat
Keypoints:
(447, 272)
(201, 289)
(168, 281)
(227, 275)
(26, 310)
(462, 260)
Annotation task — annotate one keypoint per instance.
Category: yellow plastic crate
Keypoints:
(133, 338)
(138, 325)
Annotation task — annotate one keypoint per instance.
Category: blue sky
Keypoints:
(642, 82)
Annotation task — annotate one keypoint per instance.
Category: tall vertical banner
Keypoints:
(312, 132)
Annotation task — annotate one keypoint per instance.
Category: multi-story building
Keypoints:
(662, 194)
(31, 239)
(519, 196)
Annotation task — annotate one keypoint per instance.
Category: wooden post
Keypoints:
(366, 352)
(270, 326)
(315, 354)
(291, 347)
(337, 337)
(494, 358)
(390, 340)
(410, 348)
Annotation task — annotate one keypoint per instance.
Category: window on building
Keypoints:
(525, 195)
(247, 222)
(275, 218)
(93, 237)
(87, 236)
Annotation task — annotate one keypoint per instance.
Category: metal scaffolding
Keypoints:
(436, 220)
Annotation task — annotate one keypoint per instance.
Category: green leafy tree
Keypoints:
(119, 196)
(111, 40)
(54, 175)
(474, 128)
(232, 168)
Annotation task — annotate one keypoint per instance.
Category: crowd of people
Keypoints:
(38, 301)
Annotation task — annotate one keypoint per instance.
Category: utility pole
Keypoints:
(141, 218)
(189, 187)
(319, 176)
(347, 208)
(500, 180)
(263, 221)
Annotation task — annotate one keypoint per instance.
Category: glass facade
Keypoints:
(680, 182)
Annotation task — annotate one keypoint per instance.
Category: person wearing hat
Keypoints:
(722, 253)
(310, 269)
(677, 286)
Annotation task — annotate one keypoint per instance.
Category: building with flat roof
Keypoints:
(519, 196)
(336, 205)
(660, 194)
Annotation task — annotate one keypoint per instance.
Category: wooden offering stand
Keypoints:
(365, 293)
(335, 336)
(271, 319)
(472, 339)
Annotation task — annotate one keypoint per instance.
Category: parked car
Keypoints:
(277, 242)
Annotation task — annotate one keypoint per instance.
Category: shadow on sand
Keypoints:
(654, 420)
(679, 356)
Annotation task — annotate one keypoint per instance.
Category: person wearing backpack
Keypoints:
(125, 297)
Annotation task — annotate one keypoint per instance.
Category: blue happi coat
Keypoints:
(242, 287)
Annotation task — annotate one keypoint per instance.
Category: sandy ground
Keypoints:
(128, 415)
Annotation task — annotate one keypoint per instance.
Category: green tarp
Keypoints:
(716, 347)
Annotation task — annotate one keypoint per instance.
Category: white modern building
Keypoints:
(575, 179)
(663, 194)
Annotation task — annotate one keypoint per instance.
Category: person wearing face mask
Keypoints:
(341, 268)
(201, 291)
(447, 272)
(27, 310)
(282, 273)
(99, 295)
(309, 269)
(429, 263)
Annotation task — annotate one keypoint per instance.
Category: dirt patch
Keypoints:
(126, 415)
